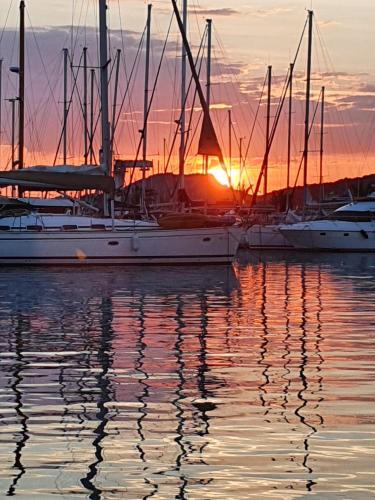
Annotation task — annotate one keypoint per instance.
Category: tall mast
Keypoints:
(265, 189)
(307, 111)
(106, 139)
(145, 105)
(13, 104)
(114, 106)
(181, 169)
(321, 186)
(208, 89)
(21, 93)
(290, 111)
(65, 104)
(1, 100)
(85, 129)
(230, 144)
(147, 73)
(92, 80)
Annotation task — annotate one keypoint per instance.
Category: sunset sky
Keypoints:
(248, 36)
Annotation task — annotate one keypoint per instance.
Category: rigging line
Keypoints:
(310, 130)
(275, 123)
(69, 105)
(175, 104)
(233, 77)
(6, 21)
(42, 61)
(130, 79)
(346, 137)
(130, 123)
(184, 106)
(270, 142)
(201, 48)
(255, 119)
(74, 45)
(149, 105)
(172, 194)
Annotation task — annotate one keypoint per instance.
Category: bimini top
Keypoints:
(62, 178)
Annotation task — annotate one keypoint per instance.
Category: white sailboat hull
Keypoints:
(265, 237)
(143, 246)
(332, 235)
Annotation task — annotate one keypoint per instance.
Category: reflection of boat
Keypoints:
(349, 228)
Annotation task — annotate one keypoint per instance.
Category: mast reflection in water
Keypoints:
(189, 383)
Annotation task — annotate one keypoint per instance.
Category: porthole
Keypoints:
(346, 234)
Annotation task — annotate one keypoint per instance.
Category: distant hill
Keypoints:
(358, 186)
(161, 188)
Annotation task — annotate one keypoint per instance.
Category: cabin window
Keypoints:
(322, 234)
(69, 227)
(4, 228)
(346, 234)
(207, 239)
(34, 228)
(113, 243)
(98, 227)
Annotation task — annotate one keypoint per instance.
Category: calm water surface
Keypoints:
(196, 383)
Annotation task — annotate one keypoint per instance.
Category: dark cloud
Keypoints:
(216, 12)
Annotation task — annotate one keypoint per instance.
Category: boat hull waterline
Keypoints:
(332, 236)
(148, 246)
(265, 237)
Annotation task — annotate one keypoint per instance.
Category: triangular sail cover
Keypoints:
(208, 143)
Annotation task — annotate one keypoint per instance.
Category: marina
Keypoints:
(187, 250)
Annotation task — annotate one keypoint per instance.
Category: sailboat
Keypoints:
(29, 237)
(268, 235)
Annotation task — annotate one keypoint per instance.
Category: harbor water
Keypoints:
(216, 382)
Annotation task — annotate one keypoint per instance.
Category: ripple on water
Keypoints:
(190, 382)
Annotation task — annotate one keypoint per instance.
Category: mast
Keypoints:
(145, 104)
(85, 129)
(291, 69)
(1, 99)
(230, 144)
(307, 111)
(118, 57)
(147, 73)
(265, 189)
(104, 61)
(208, 89)
(65, 104)
(181, 168)
(321, 186)
(21, 93)
(13, 104)
(92, 80)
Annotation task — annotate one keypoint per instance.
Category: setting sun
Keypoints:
(223, 176)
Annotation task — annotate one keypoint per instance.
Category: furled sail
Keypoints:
(37, 180)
